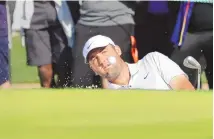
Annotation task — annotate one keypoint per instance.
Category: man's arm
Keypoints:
(181, 82)
(172, 74)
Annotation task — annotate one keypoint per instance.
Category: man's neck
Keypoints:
(124, 76)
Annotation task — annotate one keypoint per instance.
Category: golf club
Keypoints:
(192, 63)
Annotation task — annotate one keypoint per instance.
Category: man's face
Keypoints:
(98, 61)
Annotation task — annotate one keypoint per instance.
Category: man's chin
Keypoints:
(107, 76)
(110, 78)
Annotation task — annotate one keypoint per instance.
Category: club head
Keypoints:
(192, 63)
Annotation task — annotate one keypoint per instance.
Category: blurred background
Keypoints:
(153, 28)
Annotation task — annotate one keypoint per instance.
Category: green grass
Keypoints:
(20, 72)
(105, 114)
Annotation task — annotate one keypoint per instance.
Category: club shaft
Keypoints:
(199, 80)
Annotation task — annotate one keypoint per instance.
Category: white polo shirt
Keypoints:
(153, 72)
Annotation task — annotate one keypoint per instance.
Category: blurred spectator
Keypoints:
(196, 39)
(74, 7)
(110, 18)
(48, 31)
(152, 28)
(11, 5)
(4, 47)
(155, 26)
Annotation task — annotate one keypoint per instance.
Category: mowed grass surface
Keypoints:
(105, 114)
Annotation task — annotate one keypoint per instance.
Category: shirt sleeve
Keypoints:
(167, 68)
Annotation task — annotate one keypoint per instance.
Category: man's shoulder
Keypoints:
(153, 60)
(147, 61)
(149, 57)
(153, 56)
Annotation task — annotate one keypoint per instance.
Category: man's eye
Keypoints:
(91, 57)
(94, 60)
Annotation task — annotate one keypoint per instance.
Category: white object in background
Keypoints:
(112, 60)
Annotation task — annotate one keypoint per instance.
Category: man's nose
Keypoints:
(101, 60)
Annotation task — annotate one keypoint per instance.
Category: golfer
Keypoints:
(153, 72)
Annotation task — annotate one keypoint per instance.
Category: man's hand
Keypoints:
(104, 83)
(181, 82)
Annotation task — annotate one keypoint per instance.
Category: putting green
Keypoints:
(105, 114)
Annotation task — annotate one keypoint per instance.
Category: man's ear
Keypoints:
(118, 50)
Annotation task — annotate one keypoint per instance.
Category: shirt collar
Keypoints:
(133, 69)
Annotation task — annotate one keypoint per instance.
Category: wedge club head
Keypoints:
(192, 63)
